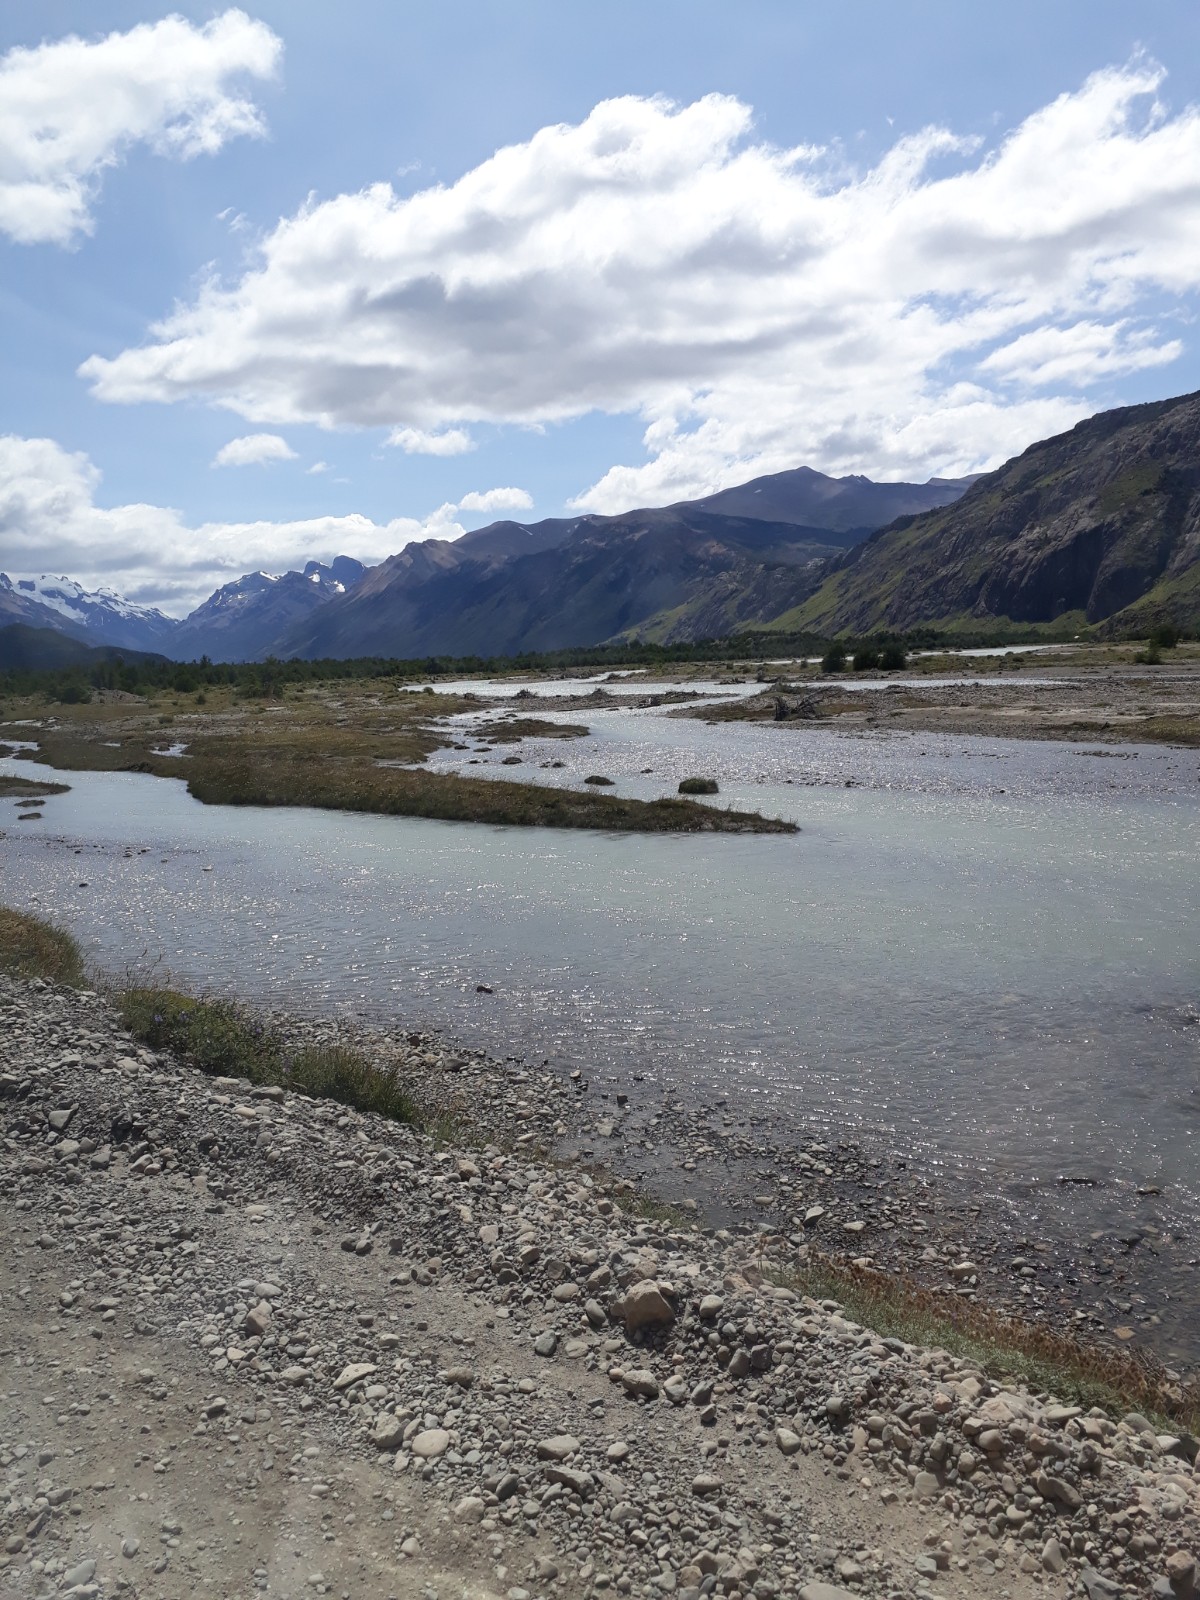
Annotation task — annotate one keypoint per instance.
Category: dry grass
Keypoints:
(33, 948)
(1040, 1357)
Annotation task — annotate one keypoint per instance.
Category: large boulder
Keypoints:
(645, 1306)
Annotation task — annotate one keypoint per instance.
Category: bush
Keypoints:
(893, 658)
(1164, 637)
(31, 948)
(599, 781)
(1150, 657)
(834, 659)
(866, 658)
(74, 693)
(699, 786)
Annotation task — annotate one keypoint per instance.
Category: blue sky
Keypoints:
(658, 299)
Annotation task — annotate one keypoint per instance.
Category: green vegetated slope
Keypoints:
(1098, 526)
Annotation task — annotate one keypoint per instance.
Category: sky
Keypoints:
(291, 280)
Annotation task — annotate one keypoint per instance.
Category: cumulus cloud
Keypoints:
(254, 450)
(417, 442)
(496, 500)
(50, 522)
(757, 306)
(71, 108)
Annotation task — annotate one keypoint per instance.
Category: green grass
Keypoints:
(1040, 1357)
(33, 948)
(651, 1209)
(224, 1039)
(217, 1036)
(335, 1072)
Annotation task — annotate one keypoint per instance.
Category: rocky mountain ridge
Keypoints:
(682, 571)
(1100, 524)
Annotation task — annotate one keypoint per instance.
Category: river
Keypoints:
(983, 950)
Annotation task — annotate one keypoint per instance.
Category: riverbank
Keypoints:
(400, 1362)
(356, 747)
(1124, 704)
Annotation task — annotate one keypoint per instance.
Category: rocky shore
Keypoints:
(261, 1343)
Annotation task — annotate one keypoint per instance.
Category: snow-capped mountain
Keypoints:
(245, 619)
(93, 616)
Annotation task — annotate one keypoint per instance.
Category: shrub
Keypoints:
(866, 658)
(599, 781)
(1150, 657)
(699, 786)
(893, 658)
(834, 659)
(74, 693)
(32, 948)
(1164, 637)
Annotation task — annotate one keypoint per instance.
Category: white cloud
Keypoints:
(254, 450)
(758, 307)
(50, 522)
(416, 442)
(71, 108)
(496, 500)
(317, 466)
(1081, 354)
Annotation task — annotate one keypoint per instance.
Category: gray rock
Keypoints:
(1059, 1491)
(1097, 1587)
(558, 1448)
(430, 1444)
(388, 1433)
(640, 1384)
(354, 1373)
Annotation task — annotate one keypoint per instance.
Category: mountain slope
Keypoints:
(243, 619)
(26, 649)
(97, 617)
(606, 576)
(1102, 521)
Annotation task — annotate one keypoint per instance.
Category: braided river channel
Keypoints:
(980, 952)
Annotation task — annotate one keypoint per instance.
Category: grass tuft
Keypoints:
(217, 1036)
(335, 1072)
(33, 948)
(1039, 1357)
(224, 1039)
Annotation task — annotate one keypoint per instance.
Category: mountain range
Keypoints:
(514, 586)
(1098, 526)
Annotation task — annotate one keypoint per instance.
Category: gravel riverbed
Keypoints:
(260, 1343)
